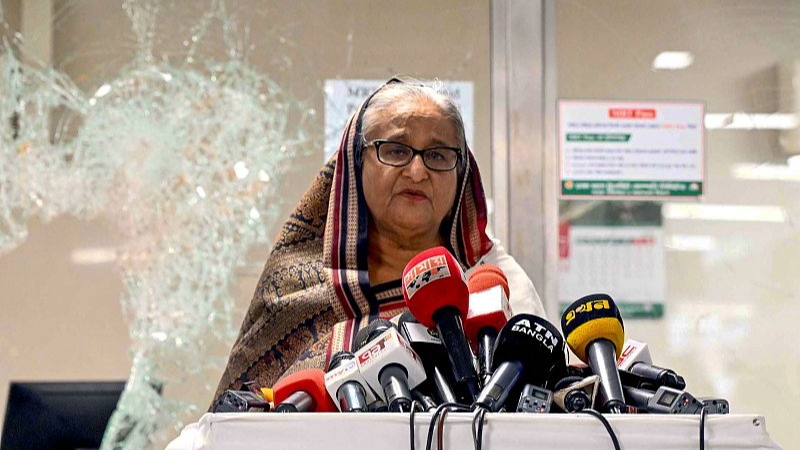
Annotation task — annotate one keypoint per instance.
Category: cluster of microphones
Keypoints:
(459, 343)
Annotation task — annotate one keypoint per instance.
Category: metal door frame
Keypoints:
(524, 156)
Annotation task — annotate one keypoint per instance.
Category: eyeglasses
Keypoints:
(440, 159)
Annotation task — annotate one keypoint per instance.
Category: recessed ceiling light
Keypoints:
(672, 61)
(93, 255)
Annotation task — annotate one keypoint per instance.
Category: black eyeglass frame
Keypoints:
(414, 152)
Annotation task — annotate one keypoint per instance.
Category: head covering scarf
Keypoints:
(314, 293)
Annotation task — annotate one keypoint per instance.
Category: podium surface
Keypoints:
(501, 431)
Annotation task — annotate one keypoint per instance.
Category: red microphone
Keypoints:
(489, 311)
(303, 391)
(436, 293)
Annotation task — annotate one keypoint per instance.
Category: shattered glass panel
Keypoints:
(191, 128)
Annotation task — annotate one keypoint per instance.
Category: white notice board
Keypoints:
(342, 97)
(631, 149)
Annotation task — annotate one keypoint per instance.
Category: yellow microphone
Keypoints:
(594, 331)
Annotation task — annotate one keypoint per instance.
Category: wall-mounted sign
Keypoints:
(630, 149)
(626, 262)
(342, 97)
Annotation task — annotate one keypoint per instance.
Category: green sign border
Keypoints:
(607, 188)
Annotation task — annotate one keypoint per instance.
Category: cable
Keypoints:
(606, 424)
(440, 429)
(566, 381)
(436, 413)
(703, 413)
(474, 424)
(477, 435)
(411, 425)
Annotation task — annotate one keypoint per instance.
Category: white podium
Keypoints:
(501, 431)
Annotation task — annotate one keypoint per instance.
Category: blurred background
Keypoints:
(721, 290)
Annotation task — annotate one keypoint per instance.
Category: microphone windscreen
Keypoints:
(405, 316)
(591, 318)
(370, 332)
(338, 358)
(534, 342)
(432, 280)
(485, 277)
(310, 381)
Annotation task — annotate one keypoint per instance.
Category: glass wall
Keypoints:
(708, 281)
(265, 87)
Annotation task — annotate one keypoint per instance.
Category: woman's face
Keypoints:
(412, 200)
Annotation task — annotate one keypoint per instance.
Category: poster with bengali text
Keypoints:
(630, 149)
(343, 97)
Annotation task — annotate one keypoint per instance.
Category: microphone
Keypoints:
(635, 358)
(370, 332)
(665, 400)
(389, 365)
(527, 350)
(426, 343)
(303, 391)
(489, 310)
(643, 375)
(595, 333)
(346, 384)
(378, 406)
(426, 402)
(574, 394)
(241, 401)
(436, 293)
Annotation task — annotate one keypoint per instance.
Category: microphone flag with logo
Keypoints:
(436, 293)
(526, 351)
(489, 310)
(594, 331)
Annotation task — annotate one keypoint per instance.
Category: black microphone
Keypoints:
(576, 393)
(426, 401)
(370, 332)
(426, 343)
(241, 401)
(594, 331)
(657, 376)
(527, 350)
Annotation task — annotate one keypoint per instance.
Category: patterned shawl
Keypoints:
(314, 294)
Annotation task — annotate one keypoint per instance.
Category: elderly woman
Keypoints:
(402, 182)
